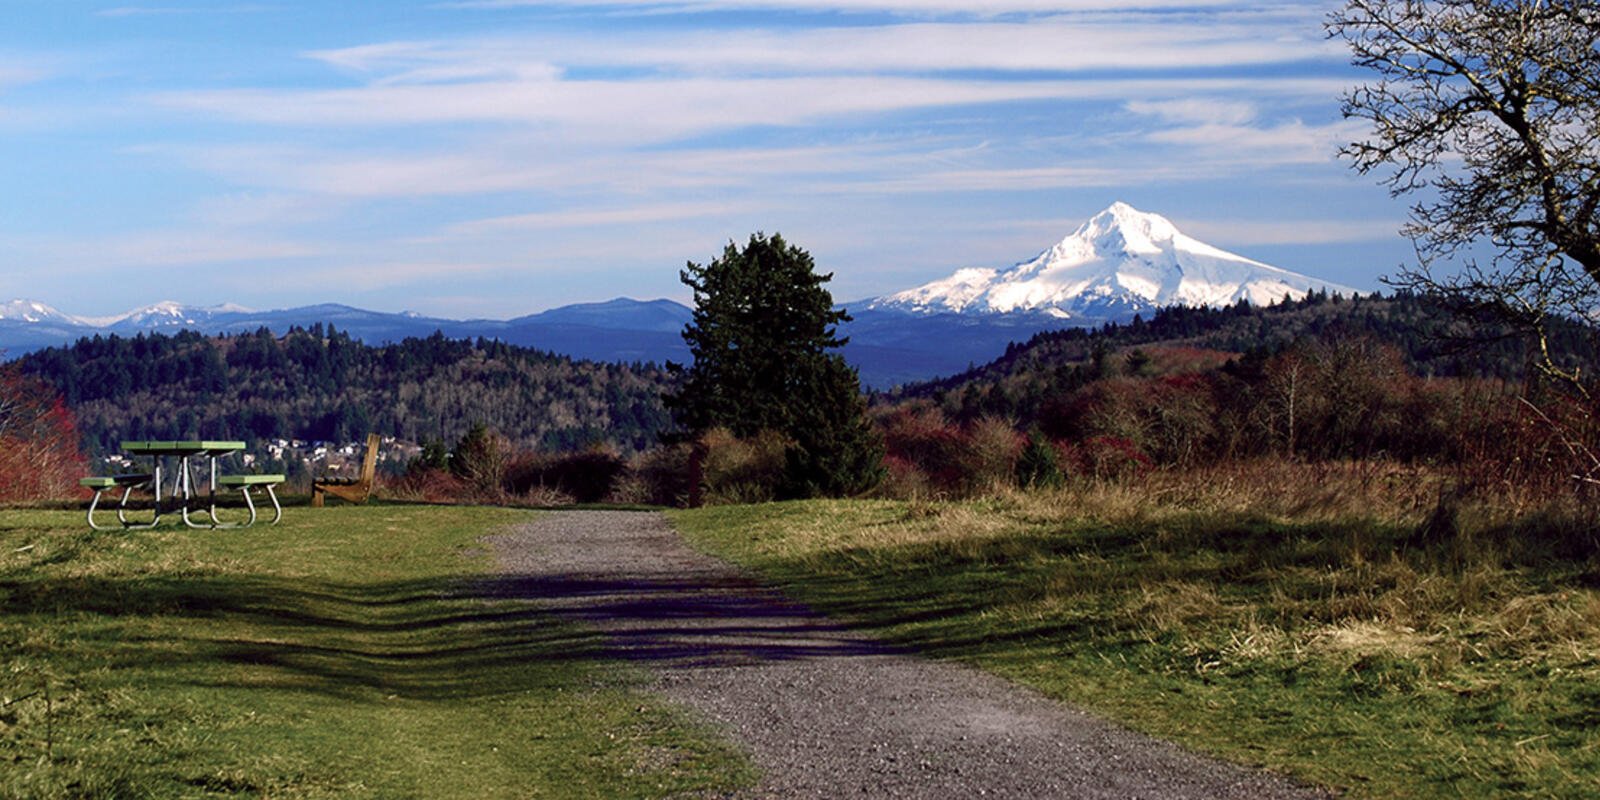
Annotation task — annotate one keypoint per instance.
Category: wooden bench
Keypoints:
(353, 490)
(127, 483)
(244, 483)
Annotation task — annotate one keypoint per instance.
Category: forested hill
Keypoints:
(320, 384)
(1430, 340)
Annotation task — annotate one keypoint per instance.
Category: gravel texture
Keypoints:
(827, 712)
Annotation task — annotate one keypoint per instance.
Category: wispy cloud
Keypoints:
(11, 75)
(561, 146)
(642, 110)
(919, 7)
(1292, 142)
(1100, 43)
(607, 217)
(164, 11)
(1238, 233)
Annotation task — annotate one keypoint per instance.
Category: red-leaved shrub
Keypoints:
(1112, 458)
(40, 456)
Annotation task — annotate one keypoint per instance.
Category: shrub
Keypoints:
(480, 459)
(1111, 458)
(919, 437)
(428, 486)
(40, 456)
(737, 470)
(659, 476)
(587, 476)
(905, 480)
(989, 457)
(1039, 465)
(434, 455)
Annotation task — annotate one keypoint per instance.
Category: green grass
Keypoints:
(1338, 650)
(350, 651)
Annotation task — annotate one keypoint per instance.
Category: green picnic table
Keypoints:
(184, 491)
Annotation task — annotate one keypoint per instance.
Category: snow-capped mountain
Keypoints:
(1121, 262)
(165, 315)
(32, 311)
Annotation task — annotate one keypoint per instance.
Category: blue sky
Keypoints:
(492, 158)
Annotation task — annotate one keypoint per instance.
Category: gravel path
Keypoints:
(825, 712)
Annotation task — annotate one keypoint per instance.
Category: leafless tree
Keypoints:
(1487, 112)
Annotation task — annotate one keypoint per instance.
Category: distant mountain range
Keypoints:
(616, 330)
(1120, 263)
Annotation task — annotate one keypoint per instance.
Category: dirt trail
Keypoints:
(825, 712)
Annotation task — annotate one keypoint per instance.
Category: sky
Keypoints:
(494, 158)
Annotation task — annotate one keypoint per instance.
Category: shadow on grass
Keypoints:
(956, 597)
(437, 639)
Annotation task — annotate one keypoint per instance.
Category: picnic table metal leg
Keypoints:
(95, 502)
(155, 505)
(187, 482)
(218, 523)
(277, 510)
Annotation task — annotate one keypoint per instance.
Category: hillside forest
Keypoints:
(1325, 378)
(320, 385)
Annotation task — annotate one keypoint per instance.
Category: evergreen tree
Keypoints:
(761, 337)
(1038, 465)
(835, 450)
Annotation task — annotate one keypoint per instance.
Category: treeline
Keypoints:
(319, 384)
(1429, 340)
(1322, 379)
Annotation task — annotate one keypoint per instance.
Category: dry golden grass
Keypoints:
(1368, 626)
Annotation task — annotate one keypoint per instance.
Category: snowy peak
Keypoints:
(166, 314)
(1122, 261)
(33, 311)
(1125, 228)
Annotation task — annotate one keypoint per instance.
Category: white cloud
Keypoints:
(588, 218)
(1293, 142)
(1234, 233)
(18, 75)
(1197, 110)
(377, 275)
(247, 210)
(918, 7)
(624, 111)
(1122, 42)
(170, 248)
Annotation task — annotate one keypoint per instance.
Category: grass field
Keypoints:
(1358, 650)
(351, 652)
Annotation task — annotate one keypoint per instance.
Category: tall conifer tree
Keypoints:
(761, 336)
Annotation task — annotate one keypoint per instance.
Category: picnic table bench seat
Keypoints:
(104, 482)
(244, 483)
(127, 482)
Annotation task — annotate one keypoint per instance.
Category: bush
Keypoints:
(434, 455)
(920, 440)
(1039, 465)
(989, 457)
(40, 456)
(588, 476)
(423, 485)
(480, 459)
(658, 477)
(742, 470)
(906, 481)
(1113, 458)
